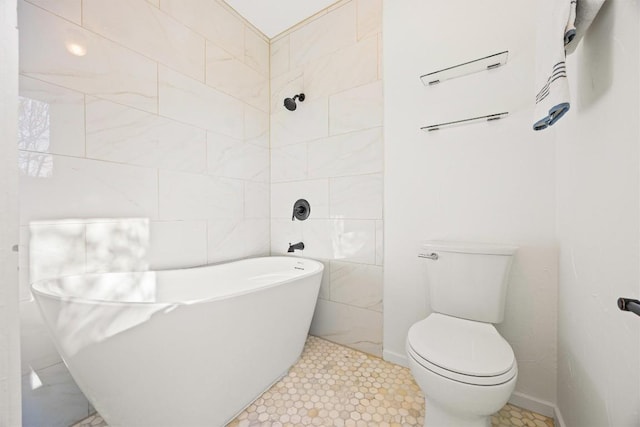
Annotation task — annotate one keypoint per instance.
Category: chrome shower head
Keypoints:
(290, 103)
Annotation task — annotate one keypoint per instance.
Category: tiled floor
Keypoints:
(333, 385)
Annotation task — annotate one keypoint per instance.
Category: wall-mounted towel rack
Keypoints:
(488, 118)
(487, 63)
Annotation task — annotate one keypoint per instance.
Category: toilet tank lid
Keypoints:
(468, 247)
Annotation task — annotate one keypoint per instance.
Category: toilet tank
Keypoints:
(468, 280)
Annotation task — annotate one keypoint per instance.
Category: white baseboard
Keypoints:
(533, 404)
(559, 421)
(521, 400)
(398, 359)
(540, 406)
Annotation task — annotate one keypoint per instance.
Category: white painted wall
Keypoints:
(9, 315)
(151, 151)
(598, 225)
(490, 182)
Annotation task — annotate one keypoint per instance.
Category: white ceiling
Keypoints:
(274, 16)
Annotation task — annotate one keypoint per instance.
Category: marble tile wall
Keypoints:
(330, 152)
(144, 144)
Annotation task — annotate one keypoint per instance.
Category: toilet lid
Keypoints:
(462, 346)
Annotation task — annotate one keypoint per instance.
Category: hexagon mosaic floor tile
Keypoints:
(336, 386)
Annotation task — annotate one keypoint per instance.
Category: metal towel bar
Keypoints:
(486, 63)
(488, 118)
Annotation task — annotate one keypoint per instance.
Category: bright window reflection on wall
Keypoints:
(34, 138)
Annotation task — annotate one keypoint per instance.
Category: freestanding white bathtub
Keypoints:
(186, 348)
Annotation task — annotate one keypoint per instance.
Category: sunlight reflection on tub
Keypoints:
(97, 307)
(62, 252)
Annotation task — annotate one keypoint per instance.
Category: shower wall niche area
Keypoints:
(144, 144)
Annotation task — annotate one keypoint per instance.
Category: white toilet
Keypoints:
(465, 369)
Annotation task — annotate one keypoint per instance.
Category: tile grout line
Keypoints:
(137, 166)
(151, 59)
(138, 108)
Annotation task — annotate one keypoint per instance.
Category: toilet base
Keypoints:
(451, 403)
(437, 416)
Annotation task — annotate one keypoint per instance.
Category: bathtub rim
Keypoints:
(37, 287)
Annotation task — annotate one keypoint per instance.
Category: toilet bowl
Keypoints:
(465, 368)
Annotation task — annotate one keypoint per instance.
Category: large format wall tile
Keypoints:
(121, 134)
(286, 86)
(283, 232)
(284, 195)
(177, 244)
(348, 325)
(51, 119)
(289, 163)
(280, 56)
(233, 77)
(164, 39)
(258, 237)
(324, 35)
(330, 151)
(256, 126)
(106, 69)
(369, 18)
(324, 292)
(193, 102)
(348, 154)
(212, 20)
(359, 285)
(56, 249)
(67, 9)
(308, 122)
(356, 197)
(349, 67)
(232, 158)
(186, 196)
(81, 188)
(346, 240)
(379, 242)
(256, 51)
(118, 245)
(356, 109)
(237, 238)
(256, 200)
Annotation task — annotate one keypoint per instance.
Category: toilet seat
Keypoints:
(462, 350)
(461, 378)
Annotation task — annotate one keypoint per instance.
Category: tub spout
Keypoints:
(298, 245)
